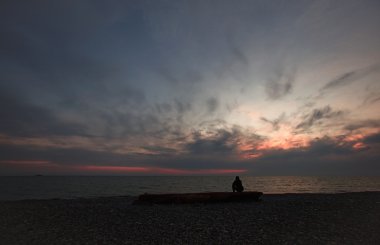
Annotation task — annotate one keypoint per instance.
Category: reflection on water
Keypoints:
(14, 188)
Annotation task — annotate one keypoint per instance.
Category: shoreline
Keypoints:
(301, 218)
(133, 197)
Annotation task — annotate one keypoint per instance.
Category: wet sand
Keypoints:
(348, 218)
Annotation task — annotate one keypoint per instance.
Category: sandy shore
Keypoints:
(350, 218)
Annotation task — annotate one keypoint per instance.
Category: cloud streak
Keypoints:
(350, 77)
(317, 116)
(280, 84)
(276, 122)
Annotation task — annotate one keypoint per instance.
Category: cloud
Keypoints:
(280, 84)
(275, 122)
(218, 150)
(372, 139)
(370, 123)
(60, 156)
(78, 161)
(168, 76)
(350, 77)
(372, 97)
(323, 156)
(317, 148)
(163, 108)
(218, 141)
(20, 118)
(126, 124)
(375, 100)
(240, 56)
(217, 144)
(327, 145)
(182, 108)
(156, 170)
(212, 104)
(188, 77)
(318, 115)
(155, 149)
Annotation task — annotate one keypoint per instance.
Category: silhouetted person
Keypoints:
(237, 185)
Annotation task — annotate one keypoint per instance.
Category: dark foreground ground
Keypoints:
(351, 218)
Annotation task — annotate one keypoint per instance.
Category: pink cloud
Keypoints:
(155, 170)
(114, 169)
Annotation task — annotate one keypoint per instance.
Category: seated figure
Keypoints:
(237, 185)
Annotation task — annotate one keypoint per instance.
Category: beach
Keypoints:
(345, 218)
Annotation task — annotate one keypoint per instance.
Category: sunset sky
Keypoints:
(243, 87)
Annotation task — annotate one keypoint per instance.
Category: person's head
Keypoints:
(237, 178)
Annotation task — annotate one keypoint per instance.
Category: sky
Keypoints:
(173, 87)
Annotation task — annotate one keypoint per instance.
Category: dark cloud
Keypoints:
(221, 142)
(236, 50)
(193, 76)
(276, 122)
(212, 104)
(280, 84)
(350, 77)
(372, 98)
(326, 146)
(375, 100)
(126, 124)
(187, 77)
(318, 148)
(64, 156)
(163, 108)
(20, 118)
(160, 150)
(276, 90)
(372, 139)
(168, 76)
(362, 124)
(122, 119)
(64, 49)
(232, 106)
(214, 124)
(286, 164)
(240, 56)
(154, 156)
(38, 43)
(182, 106)
(324, 156)
(341, 80)
(318, 115)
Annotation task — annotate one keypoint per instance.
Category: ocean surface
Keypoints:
(46, 187)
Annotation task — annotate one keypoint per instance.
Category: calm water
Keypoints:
(15, 188)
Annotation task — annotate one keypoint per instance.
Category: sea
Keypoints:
(68, 187)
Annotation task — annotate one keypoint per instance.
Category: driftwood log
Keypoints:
(206, 197)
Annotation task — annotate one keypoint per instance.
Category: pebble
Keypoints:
(278, 219)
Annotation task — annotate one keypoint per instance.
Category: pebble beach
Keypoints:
(346, 218)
